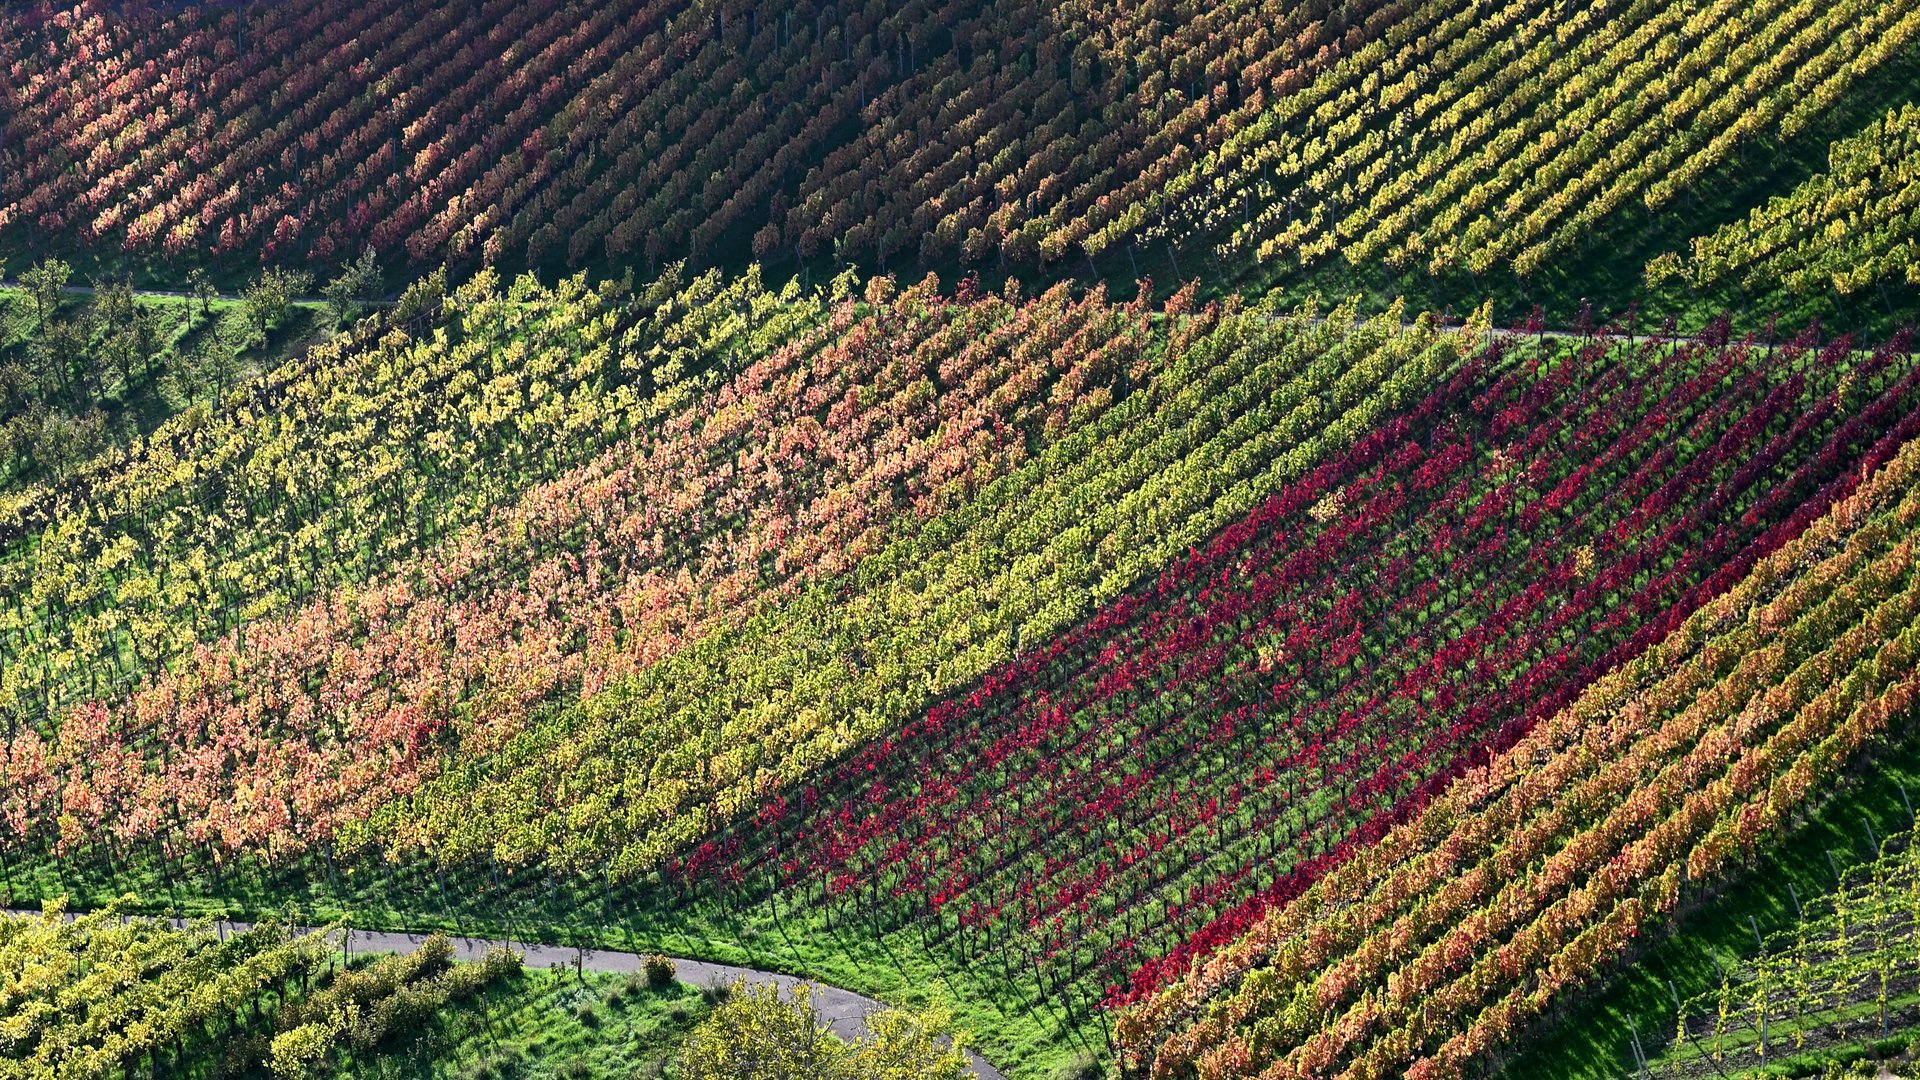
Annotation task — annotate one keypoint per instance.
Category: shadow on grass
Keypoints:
(1588, 1038)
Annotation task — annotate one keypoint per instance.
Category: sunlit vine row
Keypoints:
(1490, 134)
(791, 471)
(1241, 403)
(1854, 226)
(1531, 874)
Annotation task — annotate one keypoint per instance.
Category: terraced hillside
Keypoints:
(1177, 540)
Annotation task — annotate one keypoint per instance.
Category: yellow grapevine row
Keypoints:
(619, 782)
(1851, 227)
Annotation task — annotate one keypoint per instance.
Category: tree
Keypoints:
(112, 307)
(271, 294)
(200, 286)
(756, 1034)
(16, 387)
(148, 332)
(357, 281)
(220, 366)
(903, 1045)
(116, 350)
(113, 314)
(64, 442)
(55, 351)
(43, 284)
(183, 384)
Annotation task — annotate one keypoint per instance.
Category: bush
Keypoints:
(659, 970)
(763, 1034)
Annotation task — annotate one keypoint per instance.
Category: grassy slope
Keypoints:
(136, 407)
(1589, 1039)
(1011, 1024)
(549, 1025)
(1740, 1057)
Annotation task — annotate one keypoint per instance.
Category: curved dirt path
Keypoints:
(844, 1011)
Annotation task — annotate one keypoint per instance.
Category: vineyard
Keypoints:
(573, 132)
(1551, 858)
(1166, 541)
(97, 994)
(1848, 228)
(1846, 972)
(1484, 162)
(1408, 145)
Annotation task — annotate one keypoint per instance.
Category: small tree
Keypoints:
(148, 333)
(112, 304)
(44, 284)
(200, 287)
(358, 281)
(220, 367)
(113, 317)
(903, 1045)
(16, 387)
(55, 352)
(271, 294)
(117, 350)
(183, 384)
(756, 1034)
(64, 442)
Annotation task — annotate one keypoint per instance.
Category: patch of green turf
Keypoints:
(548, 1025)
(1002, 1010)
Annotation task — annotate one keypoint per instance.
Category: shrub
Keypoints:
(659, 970)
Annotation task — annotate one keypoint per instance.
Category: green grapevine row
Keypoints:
(1855, 225)
(1480, 134)
(1241, 403)
(362, 452)
(99, 995)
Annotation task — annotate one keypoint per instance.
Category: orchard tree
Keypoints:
(903, 1045)
(220, 366)
(200, 287)
(131, 332)
(271, 295)
(111, 315)
(148, 332)
(56, 351)
(112, 309)
(757, 1034)
(43, 284)
(358, 281)
(64, 442)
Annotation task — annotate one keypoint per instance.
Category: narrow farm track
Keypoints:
(169, 294)
(844, 1011)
